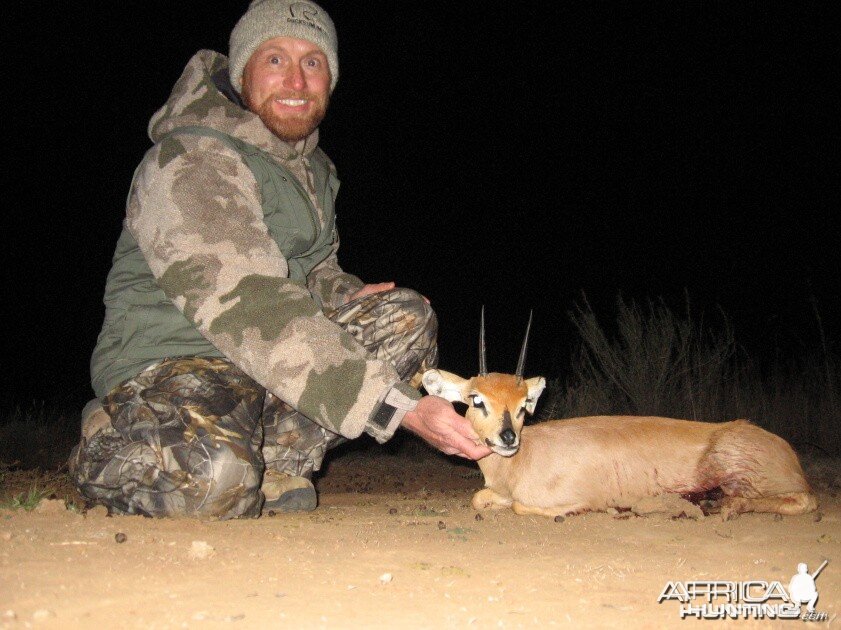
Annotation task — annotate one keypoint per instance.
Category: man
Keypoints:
(235, 351)
(801, 587)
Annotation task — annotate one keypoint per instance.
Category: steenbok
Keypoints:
(596, 463)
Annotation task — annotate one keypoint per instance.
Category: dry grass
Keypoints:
(38, 436)
(35, 443)
(25, 488)
(659, 363)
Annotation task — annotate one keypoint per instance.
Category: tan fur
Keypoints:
(600, 462)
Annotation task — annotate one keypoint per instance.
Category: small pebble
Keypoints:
(385, 578)
(441, 525)
(97, 510)
(120, 537)
(778, 517)
(272, 513)
(817, 517)
(200, 550)
(478, 517)
(559, 519)
(393, 511)
(42, 614)
(50, 506)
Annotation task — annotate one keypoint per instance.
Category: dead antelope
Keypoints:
(560, 467)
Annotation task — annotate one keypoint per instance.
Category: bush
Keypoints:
(38, 436)
(658, 363)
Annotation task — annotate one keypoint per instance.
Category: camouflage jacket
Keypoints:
(195, 236)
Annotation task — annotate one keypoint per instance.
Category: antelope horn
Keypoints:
(483, 365)
(522, 362)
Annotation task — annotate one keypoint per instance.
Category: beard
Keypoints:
(289, 128)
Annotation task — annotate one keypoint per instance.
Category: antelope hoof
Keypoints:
(729, 514)
(487, 499)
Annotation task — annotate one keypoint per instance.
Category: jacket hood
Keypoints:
(203, 96)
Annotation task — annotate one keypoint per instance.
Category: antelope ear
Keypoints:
(536, 386)
(444, 384)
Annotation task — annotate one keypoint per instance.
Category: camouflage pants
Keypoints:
(192, 436)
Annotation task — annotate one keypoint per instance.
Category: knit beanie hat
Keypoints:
(267, 19)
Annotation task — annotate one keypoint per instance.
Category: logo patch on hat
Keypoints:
(303, 10)
(305, 14)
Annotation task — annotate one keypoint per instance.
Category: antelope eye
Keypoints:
(477, 400)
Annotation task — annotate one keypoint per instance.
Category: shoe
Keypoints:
(288, 493)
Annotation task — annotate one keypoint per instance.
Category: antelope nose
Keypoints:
(508, 437)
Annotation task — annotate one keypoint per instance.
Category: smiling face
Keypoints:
(286, 82)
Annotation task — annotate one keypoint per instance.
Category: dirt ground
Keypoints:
(394, 543)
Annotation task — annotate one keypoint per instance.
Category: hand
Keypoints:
(370, 289)
(435, 420)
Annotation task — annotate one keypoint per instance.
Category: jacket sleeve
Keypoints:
(195, 213)
(329, 283)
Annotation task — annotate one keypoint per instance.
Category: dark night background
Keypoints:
(512, 156)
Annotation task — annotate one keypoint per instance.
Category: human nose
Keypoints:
(294, 79)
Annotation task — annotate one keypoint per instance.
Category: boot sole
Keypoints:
(297, 500)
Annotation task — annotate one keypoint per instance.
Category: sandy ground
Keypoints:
(393, 544)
